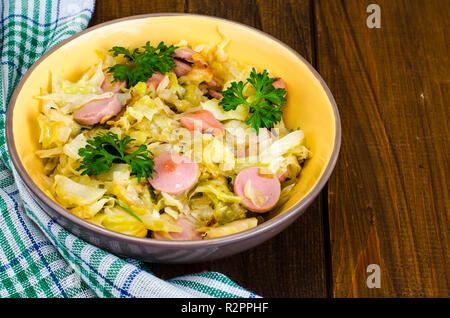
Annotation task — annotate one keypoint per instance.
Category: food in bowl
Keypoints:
(177, 142)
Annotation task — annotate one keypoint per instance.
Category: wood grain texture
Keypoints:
(106, 10)
(388, 196)
(293, 263)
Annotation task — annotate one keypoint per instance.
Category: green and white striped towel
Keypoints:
(38, 258)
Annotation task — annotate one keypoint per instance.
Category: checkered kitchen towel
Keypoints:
(38, 258)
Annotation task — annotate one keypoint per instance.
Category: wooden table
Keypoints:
(387, 201)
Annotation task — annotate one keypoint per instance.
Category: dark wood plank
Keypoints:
(388, 197)
(106, 10)
(293, 263)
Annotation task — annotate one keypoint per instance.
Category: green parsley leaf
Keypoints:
(265, 107)
(106, 149)
(233, 96)
(143, 62)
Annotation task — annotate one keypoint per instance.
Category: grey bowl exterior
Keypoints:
(168, 251)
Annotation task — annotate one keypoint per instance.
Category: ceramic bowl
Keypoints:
(310, 106)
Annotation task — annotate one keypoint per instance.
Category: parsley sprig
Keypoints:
(265, 107)
(106, 149)
(143, 64)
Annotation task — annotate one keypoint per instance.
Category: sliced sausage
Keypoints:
(212, 83)
(259, 192)
(190, 56)
(98, 111)
(175, 173)
(181, 68)
(279, 83)
(185, 53)
(155, 80)
(215, 94)
(109, 86)
(188, 232)
(203, 120)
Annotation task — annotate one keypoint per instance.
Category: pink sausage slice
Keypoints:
(98, 111)
(155, 80)
(267, 188)
(212, 83)
(279, 83)
(174, 173)
(188, 232)
(215, 94)
(109, 86)
(185, 53)
(204, 120)
(181, 68)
